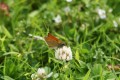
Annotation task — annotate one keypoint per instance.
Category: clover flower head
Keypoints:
(63, 53)
(101, 13)
(41, 74)
(67, 9)
(58, 19)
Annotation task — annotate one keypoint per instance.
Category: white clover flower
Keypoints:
(69, 0)
(67, 9)
(58, 19)
(41, 74)
(63, 53)
(101, 13)
(115, 23)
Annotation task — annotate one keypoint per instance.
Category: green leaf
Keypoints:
(77, 56)
(8, 78)
(5, 31)
(87, 75)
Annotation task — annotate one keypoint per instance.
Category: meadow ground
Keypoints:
(89, 28)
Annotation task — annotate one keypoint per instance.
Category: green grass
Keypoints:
(95, 42)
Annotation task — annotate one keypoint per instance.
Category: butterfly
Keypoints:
(53, 42)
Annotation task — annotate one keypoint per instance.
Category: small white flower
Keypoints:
(67, 9)
(58, 19)
(101, 13)
(41, 74)
(115, 23)
(63, 53)
(69, 0)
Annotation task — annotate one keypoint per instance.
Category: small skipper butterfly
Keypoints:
(53, 42)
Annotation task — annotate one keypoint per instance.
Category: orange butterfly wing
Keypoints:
(52, 41)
